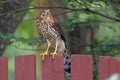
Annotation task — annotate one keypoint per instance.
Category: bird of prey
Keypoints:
(51, 30)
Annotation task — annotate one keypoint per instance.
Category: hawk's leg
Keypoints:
(46, 52)
(55, 52)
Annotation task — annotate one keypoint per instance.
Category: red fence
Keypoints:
(107, 66)
(81, 67)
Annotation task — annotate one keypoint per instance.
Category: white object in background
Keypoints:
(114, 76)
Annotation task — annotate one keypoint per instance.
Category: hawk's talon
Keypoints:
(53, 55)
(43, 55)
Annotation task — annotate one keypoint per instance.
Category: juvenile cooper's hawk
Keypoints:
(52, 31)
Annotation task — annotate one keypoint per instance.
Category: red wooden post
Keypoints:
(3, 68)
(53, 69)
(108, 66)
(81, 67)
(112, 66)
(118, 65)
(25, 67)
(103, 67)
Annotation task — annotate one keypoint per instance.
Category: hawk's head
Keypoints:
(45, 13)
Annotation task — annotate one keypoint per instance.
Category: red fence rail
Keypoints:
(3, 68)
(53, 69)
(25, 67)
(81, 67)
(108, 66)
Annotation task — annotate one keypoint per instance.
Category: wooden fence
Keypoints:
(81, 67)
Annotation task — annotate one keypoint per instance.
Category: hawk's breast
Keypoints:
(48, 31)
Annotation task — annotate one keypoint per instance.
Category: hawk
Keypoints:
(51, 30)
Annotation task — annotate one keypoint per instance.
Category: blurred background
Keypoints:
(92, 27)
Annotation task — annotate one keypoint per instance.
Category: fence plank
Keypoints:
(53, 69)
(118, 65)
(25, 67)
(103, 67)
(108, 66)
(81, 67)
(3, 68)
(112, 66)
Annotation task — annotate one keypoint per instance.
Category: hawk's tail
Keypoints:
(67, 64)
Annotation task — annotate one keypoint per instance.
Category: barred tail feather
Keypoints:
(67, 64)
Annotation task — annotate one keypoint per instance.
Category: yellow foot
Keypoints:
(43, 55)
(53, 54)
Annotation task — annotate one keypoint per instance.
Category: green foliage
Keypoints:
(67, 78)
(14, 40)
(26, 27)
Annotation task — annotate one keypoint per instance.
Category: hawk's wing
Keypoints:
(59, 29)
(67, 60)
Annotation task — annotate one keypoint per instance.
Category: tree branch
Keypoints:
(66, 8)
(100, 14)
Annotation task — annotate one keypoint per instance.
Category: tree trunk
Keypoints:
(81, 38)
